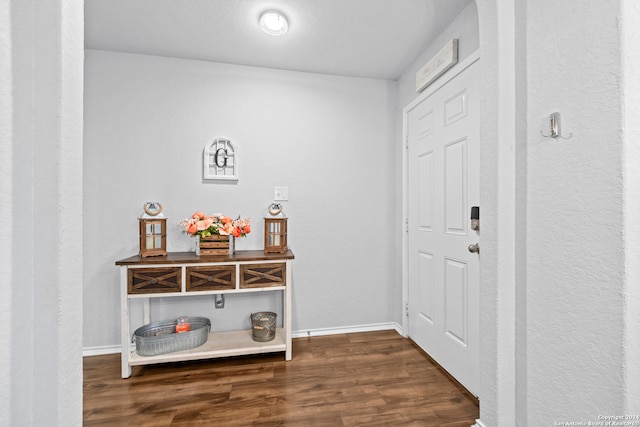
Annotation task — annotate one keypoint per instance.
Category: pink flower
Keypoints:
(192, 228)
(207, 222)
(226, 229)
(199, 224)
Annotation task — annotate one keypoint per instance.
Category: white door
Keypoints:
(442, 132)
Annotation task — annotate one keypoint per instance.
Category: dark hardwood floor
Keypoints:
(360, 379)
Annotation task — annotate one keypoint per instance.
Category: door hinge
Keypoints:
(406, 309)
(406, 225)
(406, 142)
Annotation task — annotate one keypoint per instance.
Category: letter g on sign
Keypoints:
(217, 157)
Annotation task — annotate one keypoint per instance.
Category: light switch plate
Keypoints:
(281, 194)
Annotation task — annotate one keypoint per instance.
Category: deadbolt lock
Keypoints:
(475, 218)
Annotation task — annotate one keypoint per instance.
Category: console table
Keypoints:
(180, 274)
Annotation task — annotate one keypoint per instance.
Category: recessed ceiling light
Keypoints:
(274, 23)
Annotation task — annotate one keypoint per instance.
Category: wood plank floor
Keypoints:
(359, 379)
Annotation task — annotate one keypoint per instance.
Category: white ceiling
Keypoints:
(363, 38)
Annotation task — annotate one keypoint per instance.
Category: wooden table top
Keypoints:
(192, 258)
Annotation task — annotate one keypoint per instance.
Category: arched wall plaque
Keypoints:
(220, 158)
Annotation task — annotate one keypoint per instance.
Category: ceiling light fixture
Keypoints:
(274, 23)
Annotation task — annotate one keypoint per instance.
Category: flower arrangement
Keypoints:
(201, 225)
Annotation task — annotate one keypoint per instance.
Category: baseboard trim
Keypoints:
(113, 349)
(478, 424)
(101, 351)
(347, 330)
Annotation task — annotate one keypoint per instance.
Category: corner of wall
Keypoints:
(630, 16)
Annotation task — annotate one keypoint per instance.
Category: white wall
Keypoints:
(147, 120)
(575, 256)
(464, 28)
(573, 334)
(6, 194)
(41, 53)
(502, 199)
(631, 133)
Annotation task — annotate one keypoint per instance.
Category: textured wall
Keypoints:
(492, 378)
(147, 120)
(631, 128)
(575, 256)
(6, 193)
(569, 283)
(41, 210)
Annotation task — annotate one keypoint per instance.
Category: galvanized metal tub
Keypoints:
(160, 337)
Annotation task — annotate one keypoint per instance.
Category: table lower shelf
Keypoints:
(219, 344)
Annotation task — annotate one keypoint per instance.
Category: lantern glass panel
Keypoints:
(274, 234)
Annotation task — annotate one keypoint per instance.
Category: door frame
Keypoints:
(446, 78)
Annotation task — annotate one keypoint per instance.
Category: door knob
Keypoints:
(474, 248)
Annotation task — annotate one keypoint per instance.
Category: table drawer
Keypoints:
(211, 278)
(263, 275)
(154, 280)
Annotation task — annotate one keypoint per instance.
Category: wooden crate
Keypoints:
(215, 244)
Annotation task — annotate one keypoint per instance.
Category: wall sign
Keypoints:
(220, 158)
(441, 62)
